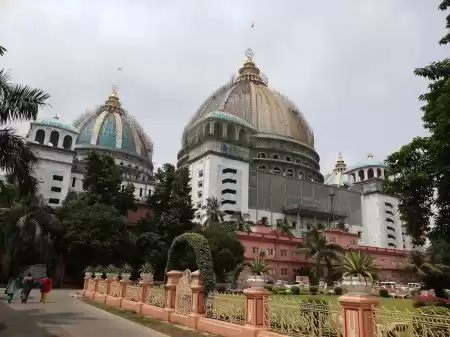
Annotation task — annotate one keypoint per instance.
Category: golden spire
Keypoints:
(340, 165)
(249, 71)
(113, 100)
(115, 91)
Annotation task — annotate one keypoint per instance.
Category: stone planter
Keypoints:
(88, 274)
(356, 285)
(256, 281)
(146, 277)
(126, 276)
(98, 275)
(111, 276)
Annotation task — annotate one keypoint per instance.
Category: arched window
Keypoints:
(310, 178)
(262, 155)
(288, 158)
(289, 173)
(370, 174)
(40, 136)
(217, 131)
(353, 177)
(262, 168)
(275, 156)
(277, 170)
(361, 175)
(54, 138)
(298, 161)
(230, 132)
(301, 175)
(378, 172)
(67, 142)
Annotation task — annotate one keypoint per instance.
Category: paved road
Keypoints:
(63, 316)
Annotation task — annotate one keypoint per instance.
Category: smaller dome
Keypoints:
(369, 161)
(338, 177)
(55, 122)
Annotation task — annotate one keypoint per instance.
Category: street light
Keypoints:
(331, 195)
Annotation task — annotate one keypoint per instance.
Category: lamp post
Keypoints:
(331, 195)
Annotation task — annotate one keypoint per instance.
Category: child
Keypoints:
(11, 289)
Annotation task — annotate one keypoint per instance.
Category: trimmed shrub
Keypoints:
(295, 290)
(337, 290)
(200, 246)
(268, 287)
(313, 290)
(282, 292)
(383, 292)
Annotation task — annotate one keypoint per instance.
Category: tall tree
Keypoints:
(317, 247)
(18, 103)
(103, 182)
(420, 170)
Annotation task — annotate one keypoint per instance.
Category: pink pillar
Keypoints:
(255, 310)
(123, 289)
(173, 277)
(198, 295)
(108, 287)
(145, 289)
(358, 315)
(96, 283)
(86, 282)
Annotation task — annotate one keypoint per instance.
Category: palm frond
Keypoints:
(2, 51)
(18, 160)
(19, 102)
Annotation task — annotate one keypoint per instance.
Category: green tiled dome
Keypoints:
(227, 117)
(55, 122)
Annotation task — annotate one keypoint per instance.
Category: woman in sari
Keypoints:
(27, 285)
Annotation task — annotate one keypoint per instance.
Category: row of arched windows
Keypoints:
(276, 156)
(289, 173)
(54, 139)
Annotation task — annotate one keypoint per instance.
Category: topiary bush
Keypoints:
(295, 290)
(383, 292)
(268, 287)
(282, 292)
(313, 290)
(337, 290)
(200, 246)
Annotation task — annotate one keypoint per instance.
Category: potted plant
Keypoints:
(98, 271)
(358, 271)
(112, 272)
(258, 269)
(88, 271)
(147, 271)
(126, 271)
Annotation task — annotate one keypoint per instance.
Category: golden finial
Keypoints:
(249, 54)
(114, 92)
(340, 156)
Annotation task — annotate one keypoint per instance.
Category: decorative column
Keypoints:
(198, 296)
(145, 289)
(173, 277)
(358, 315)
(123, 290)
(256, 310)
(108, 287)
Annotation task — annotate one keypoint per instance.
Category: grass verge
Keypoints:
(152, 323)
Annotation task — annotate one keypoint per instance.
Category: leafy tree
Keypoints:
(420, 170)
(316, 246)
(342, 226)
(286, 227)
(171, 215)
(213, 212)
(239, 222)
(18, 103)
(103, 181)
(226, 250)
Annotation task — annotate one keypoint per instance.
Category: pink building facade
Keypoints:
(287, 261)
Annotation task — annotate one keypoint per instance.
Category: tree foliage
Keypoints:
(420, 170)
(200, 246)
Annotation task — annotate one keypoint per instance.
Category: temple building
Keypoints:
(252, 148)
(62, 147)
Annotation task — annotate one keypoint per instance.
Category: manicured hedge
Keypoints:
(200, 245)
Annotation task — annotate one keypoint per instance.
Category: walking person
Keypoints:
(27, 285)
(11, 288)
(46, 287)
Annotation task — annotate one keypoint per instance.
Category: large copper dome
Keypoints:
(247, 96)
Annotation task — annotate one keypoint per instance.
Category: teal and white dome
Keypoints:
(56, 122)
(369, 161)
(111, 127)
(338, 177)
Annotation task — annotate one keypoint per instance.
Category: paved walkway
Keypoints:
(63, 316)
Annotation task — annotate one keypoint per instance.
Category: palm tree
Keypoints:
(18, 103)
(213, 212)
(284, 226)
(258, 266)
(419, 263)
(341, 225)
(27, 221)
(358, 264)
(241, 221)
(316, 246)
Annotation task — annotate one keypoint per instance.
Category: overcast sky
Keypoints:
(347, 64)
